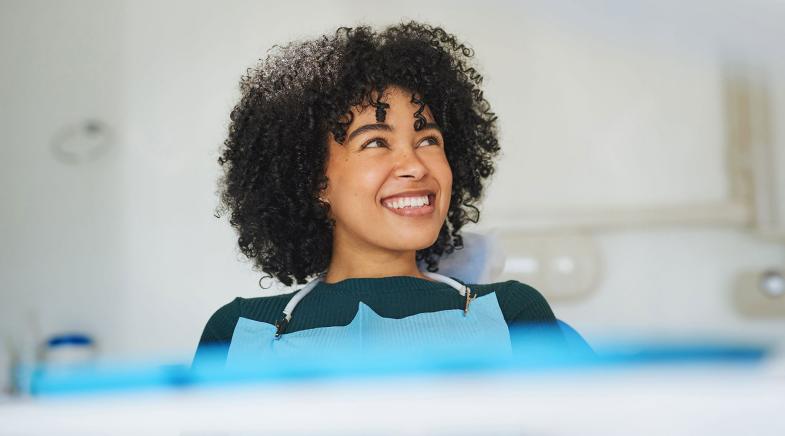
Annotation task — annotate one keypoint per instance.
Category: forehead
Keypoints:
(400, 100)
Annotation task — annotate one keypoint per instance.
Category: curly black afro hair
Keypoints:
(275, 156)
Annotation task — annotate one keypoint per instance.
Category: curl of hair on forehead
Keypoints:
(341, 126)
(420, 120)
(381, 107)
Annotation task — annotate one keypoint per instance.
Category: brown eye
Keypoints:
(374, 143)
(431, 140)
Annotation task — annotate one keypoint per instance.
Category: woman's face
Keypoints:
(389, 185)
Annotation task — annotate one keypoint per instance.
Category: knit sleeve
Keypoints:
(217, 333)
(522, 304)
(527, 311)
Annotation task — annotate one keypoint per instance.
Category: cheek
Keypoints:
(355, 184)
(447, 189)
(443, 174)
(361, 182)
(369, 178)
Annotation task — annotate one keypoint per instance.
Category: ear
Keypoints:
(325, 202)
(323, 197)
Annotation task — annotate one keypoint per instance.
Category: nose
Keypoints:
(409, 165)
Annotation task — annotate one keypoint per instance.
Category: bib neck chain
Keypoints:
(281, 324)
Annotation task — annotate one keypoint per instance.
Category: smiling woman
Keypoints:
(389, 190)
(353, 159)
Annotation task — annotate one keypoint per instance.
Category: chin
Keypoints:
(417, 241)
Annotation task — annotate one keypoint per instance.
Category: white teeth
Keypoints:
(407, 202)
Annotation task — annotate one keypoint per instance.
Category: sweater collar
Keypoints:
(383, 284)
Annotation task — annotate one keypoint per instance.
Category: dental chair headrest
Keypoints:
(481, 260)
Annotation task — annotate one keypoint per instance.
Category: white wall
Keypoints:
(126, 247)
(63, 244)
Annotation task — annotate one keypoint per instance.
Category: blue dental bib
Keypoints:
(483, 329)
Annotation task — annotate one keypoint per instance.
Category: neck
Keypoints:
(353, 261)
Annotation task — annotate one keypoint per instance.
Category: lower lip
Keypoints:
(413, 211)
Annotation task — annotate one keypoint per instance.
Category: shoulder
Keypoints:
(221, 324)
(518, 301)
(218, 331)
(266, 309)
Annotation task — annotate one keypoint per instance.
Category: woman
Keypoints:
(356, 159)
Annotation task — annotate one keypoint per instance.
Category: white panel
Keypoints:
(588, 123)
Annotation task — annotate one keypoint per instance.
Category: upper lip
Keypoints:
(417, 193)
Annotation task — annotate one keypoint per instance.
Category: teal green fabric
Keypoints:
(391, 298)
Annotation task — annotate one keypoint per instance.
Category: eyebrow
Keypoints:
(386, 128)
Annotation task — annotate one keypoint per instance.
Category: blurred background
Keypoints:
(641, 186)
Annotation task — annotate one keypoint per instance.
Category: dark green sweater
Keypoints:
(336, 304)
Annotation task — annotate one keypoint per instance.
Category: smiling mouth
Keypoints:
(410, 205)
